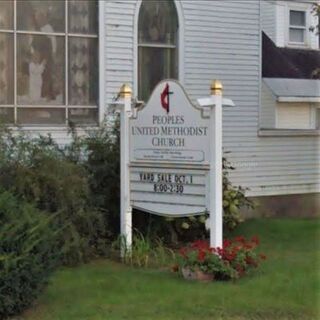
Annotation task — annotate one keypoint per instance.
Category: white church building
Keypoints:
(64, 61)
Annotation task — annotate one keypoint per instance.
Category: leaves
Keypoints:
(28, 253)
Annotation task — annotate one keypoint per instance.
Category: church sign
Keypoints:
(170, 128)
(171, 156)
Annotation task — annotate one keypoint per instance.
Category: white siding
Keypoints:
(314, 38)
(222, 41)
(268, 18)
(281, 24)
(268, 106)
(119, 23)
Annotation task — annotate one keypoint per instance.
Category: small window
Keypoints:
(297, 27)
(157, 45)
(295, 116)
(48, 62)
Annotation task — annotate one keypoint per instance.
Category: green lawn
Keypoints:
(285, 287)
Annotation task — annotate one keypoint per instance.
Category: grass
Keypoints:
(285, 287)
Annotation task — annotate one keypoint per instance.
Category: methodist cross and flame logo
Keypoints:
(165, 98)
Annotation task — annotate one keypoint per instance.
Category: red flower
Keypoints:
(240, 270)
(200, 244)
(240, 239)
(226, 243)
(229, 256)
(219, 251)
(201, 255)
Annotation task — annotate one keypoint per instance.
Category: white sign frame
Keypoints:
(209, 108)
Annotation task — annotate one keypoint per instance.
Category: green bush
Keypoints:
(233, 199)
(38, 171)
(28, 253)
(99, 154)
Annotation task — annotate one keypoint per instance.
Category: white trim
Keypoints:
(288, 132)
(179, 9)
(313, 117)
(31, 32)
(157, 45)
(260, 68)
(180, 44)
(66, 61)
(62, 129)
(52, 106)
(15, 69)
(101, 44)
(283, 190)
(294, 6)
(59, 34)
(299, 99)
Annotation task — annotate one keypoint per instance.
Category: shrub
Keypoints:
(28, 253)
(102, 163)
(37, 170)
(233, 199)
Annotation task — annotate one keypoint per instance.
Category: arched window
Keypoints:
(157, 44)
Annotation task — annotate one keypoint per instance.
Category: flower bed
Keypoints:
(236, 258)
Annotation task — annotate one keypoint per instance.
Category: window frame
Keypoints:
(297, 27)
(179, 45)
(66, 106)
(305, 7)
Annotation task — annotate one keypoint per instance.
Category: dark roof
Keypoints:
(288, 62)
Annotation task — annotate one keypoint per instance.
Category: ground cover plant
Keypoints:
(285, 287)
(144, 253)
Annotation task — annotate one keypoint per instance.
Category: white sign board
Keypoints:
(169, 154)
(174, 192)
(169, 129)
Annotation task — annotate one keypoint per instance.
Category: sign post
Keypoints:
(216, 202)
(171, 156)
(124, 107)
